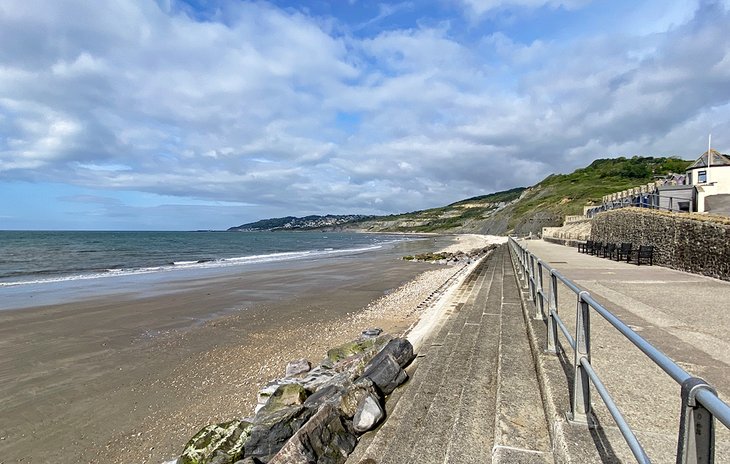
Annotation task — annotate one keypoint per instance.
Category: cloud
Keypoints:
(270, 108)
(481, 7)
(385, 10)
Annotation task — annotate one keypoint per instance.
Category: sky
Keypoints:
(193, 114)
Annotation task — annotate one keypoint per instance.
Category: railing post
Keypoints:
(517, 254)
(580, 410)
(540, 303)
(531, 264)
(525, 270)
(696, 443)
(552, 326)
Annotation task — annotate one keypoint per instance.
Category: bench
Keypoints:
(645, 252)
(597, 247)
(585, 247)
(623, 252)
(608, 250)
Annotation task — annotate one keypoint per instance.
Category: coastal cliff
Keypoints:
(519, 210)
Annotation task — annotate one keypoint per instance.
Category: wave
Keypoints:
(188, 265)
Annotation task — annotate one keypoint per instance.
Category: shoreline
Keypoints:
(101, 392)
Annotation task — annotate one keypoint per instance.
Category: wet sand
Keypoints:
(129, 377)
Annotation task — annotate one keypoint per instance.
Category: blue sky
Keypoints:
(183, 115)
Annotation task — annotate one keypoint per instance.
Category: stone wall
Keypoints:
(576, 231)
(698, 244)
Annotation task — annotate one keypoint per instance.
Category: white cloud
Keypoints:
(248, 106)
(480, 7)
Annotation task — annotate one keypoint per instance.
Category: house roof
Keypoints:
(718, 159)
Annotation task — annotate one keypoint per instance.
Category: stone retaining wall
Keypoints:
(571, 231)
(699, 245)
(563, 241)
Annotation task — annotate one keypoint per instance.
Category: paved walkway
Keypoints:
(474, 396)
(684, 315)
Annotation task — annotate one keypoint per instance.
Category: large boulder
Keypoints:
(272, 429)
(386, 373)
(369, 414)
(220, 443)
(297, 367)
(353, 395)
(326, 439)
(285, 395)
(400, 348)
(362, 346)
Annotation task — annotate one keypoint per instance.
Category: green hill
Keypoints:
(523, 210)
(519, 210)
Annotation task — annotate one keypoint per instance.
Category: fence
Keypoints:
(645, 200)
(700, 404)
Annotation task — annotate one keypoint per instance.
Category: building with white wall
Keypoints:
(711, 182)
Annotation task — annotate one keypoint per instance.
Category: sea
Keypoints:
(46, 257)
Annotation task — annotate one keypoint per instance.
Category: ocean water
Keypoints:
(37, 257)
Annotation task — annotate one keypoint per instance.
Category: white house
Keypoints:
(711, 182)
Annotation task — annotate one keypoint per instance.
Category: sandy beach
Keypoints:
(130, 377)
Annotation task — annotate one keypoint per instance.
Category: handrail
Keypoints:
(640, 200)
(700, 403)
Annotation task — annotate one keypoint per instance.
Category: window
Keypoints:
(702, 177)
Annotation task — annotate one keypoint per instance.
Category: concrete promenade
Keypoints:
(483, 390)
(473, 396)
(684, 315)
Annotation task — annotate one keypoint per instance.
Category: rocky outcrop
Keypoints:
(312, 416)
(445, 257)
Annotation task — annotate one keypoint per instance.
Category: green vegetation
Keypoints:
(528, 210)
(505, 195)
(452, 216)
(519, 210)
(566, 194)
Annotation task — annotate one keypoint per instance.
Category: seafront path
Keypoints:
(484, 390)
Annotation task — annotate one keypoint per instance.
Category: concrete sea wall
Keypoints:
(698, 244)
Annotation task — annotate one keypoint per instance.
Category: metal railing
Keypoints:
(645, 200)
(700, 404)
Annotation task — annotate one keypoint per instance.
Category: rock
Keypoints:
(355, 347)
(286, 395)
(353, 395)
(369, 414)
(323, 408)
(270, 388)
(386, 373)
(248, 461)
(317, 379)
(400, 348)
(326, 439)
(353, 365)
(272, 429)
(219, 457)
(221, 443)
(371, 333)
(328, 394)
(322, 381)
(296, 367)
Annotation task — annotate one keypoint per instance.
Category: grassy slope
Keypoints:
(452, 217)
(544, 204)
